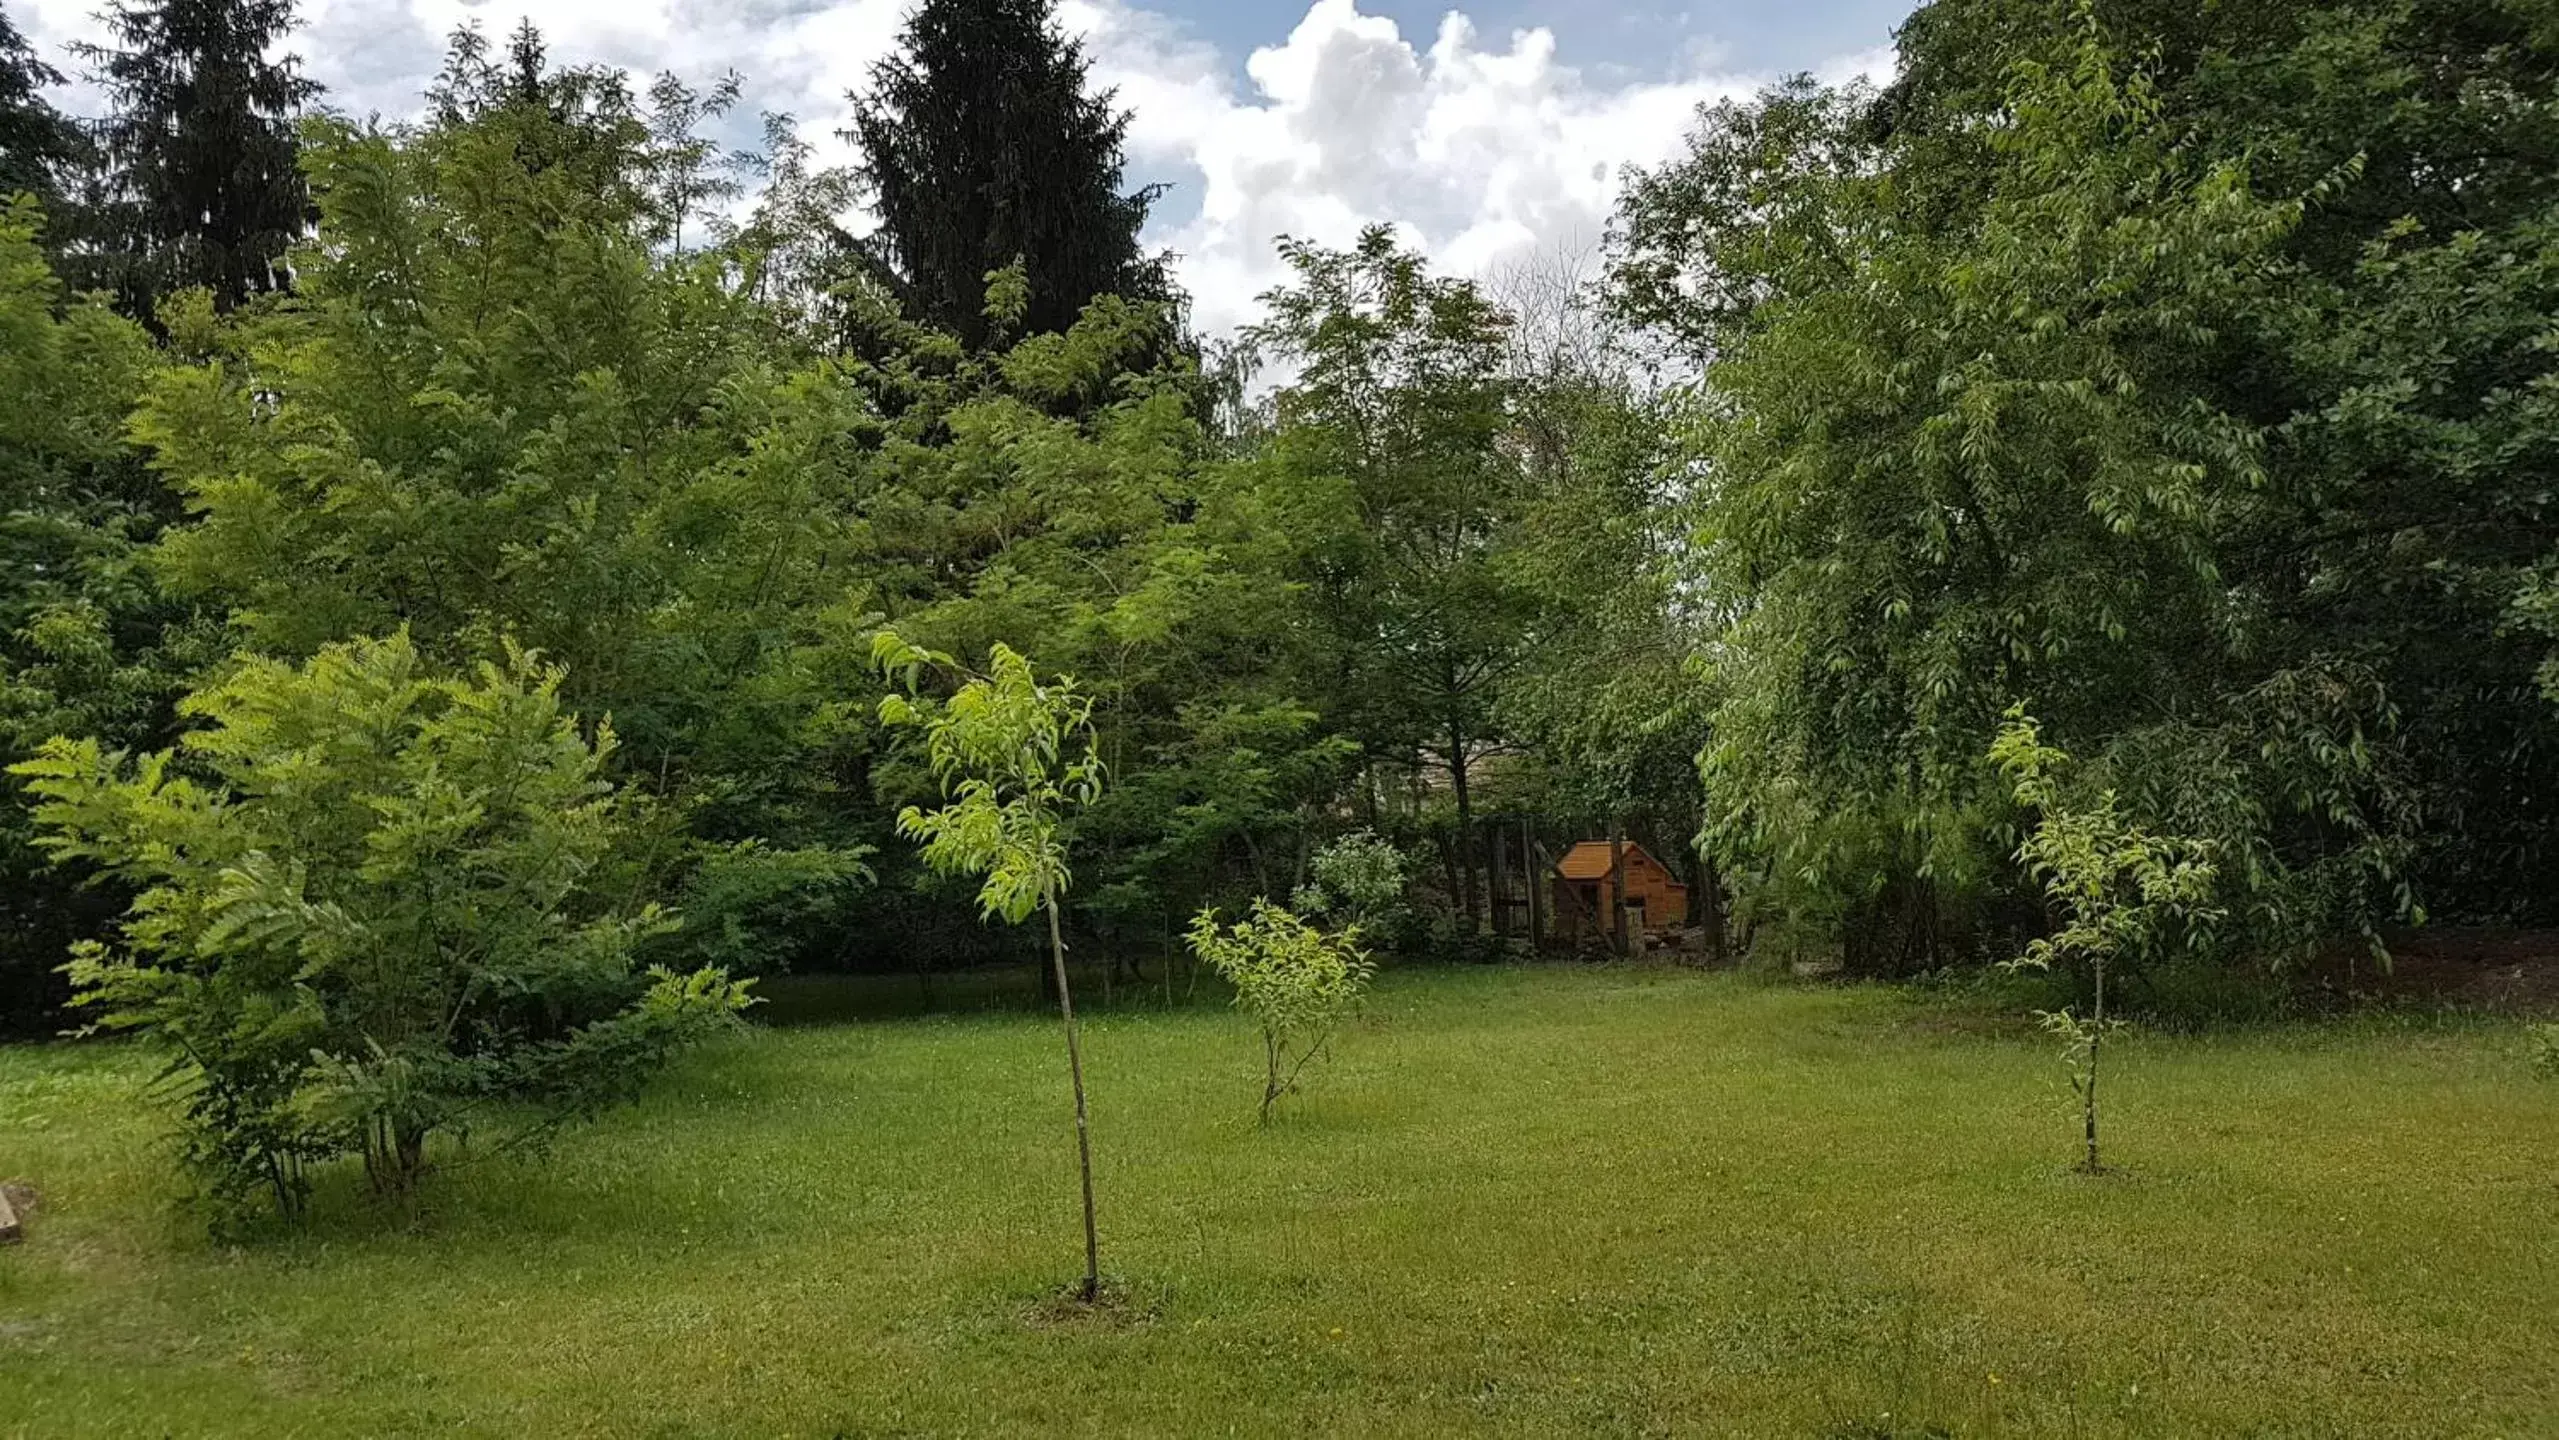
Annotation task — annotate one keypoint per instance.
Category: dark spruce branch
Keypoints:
(196, 181)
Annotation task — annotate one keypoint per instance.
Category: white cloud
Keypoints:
(1876, 67)
(378, 56)
(1483, 153)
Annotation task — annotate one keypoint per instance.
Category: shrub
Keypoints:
(371, 903)
(749, 906)
(1357, 880)
(1296, 980)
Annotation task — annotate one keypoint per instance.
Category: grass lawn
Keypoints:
(1521, 1200)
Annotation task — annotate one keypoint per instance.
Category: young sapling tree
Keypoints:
(1296, 980)
(1012, 756)
(2126, 893)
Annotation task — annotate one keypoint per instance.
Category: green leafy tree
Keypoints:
(797, 258)
(1063, 496)
(2355, 714)
(1013, 757)
(87, 644)
(1953, 453)
(1389, 480)
(1605, 709)
(691, 176)
(982, 148)
(501, 406)
(1298, 982)
(200, 182)
(2395, 361)
(371, 904)
(2125, 893)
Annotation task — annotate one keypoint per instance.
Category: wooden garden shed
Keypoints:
(1654, 901)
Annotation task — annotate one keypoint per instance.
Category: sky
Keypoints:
(1495, 134)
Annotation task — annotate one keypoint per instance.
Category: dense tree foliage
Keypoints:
(2398, 366)
(497, 411)
(2170, 369)
(982, 147)
(1387, 464)
(548, 380)
(199, 186)
(1602, 718)
(88, 645)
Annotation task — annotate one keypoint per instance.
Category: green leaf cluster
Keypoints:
(88, 644)
(1296, 980)
(2125, 892)
(1012, 754)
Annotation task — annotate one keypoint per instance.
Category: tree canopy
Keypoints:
(982, 146)
(2169, 370)
(199, 185)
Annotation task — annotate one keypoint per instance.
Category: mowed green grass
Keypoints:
(1528, 1201)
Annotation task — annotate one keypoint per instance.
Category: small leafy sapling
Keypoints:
(1012, 755)
(1298, 981)
(2127, 894)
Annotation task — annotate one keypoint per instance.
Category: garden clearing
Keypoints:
(1525, 1200)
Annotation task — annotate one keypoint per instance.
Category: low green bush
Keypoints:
(372, 903)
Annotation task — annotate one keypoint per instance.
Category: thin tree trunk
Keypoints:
(1617, 886)
(1271, 1082)
(412, 1156)
(1465, 831)
(1083, 1125)
(2096, 1039)
(1501, 888)
(1447, 846)
(1710, 893)
(1253, 852)
(1536, 874)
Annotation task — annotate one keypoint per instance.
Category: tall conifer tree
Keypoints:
(200, 183)
(980, 144)
(38, 144)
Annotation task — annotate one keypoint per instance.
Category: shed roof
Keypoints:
(1588, 860)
